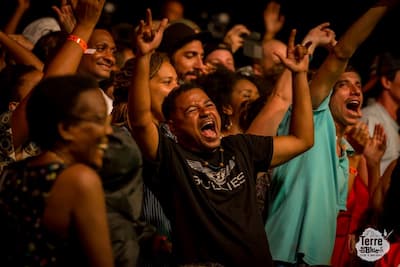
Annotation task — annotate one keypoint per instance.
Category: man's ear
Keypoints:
(65, 131)
(385, 82)
(227, 110)
(257, 69)
(171, 126)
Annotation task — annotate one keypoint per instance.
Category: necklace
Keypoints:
(221, 164)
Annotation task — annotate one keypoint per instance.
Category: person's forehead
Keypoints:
(220, 53)
(92, 101)
(101, 36)
(191, 96)
(193, 46)
(349, 75)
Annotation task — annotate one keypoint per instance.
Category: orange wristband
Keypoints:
(353, 171)
(79, 41)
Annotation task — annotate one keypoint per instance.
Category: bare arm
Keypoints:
(376, 201)
(12, 24)
(234, 37)
(336, 61)
(66, 17)
(68, 57)
(143, 128)
(273, 20)
(301, 135)
(76, 201)
(357, 135)
(270, 116)
(66, 61)
(23, 56)
(373, 153)
(19, 53)
(281, 98)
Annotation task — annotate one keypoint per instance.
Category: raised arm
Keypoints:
(68, 57)
(273, 20)
(66, 17)
(301, 135)
(336, 61)
(12, 24)
(373, 153)
(23, 56)
(234, 37)
(267, 121)
(144, 130)
(19, 53)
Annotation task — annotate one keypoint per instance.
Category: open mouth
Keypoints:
(102, 146)
(208, 129)
(353, 105)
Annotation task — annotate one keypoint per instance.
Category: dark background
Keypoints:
(302, 15)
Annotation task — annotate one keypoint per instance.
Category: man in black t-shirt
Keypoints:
(206, 183)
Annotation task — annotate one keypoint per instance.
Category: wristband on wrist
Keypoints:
(78, 40)
(353, 171)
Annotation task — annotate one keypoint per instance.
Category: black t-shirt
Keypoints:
(213, 210)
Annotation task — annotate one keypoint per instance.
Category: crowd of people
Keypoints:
(161, 144)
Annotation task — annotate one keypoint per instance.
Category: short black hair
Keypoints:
(54, 100)
(169, 103)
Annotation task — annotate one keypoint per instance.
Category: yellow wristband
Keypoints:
(78, 40)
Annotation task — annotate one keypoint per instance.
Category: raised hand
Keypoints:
(297, 59)
(321, 35)
(376, 145)
(87, 12)
(234, 37)
(66, 16)
(273, 19)
(147, 37)
(357, 135)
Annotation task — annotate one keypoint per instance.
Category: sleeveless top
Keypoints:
(25, 240)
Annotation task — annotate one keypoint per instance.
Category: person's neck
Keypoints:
(59, 155)
(233, 128)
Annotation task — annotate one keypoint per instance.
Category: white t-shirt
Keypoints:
(375, 113)
(109, 102)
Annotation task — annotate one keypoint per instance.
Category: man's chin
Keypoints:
(211, 144)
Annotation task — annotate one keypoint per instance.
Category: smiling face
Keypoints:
(89, 129)
(347, 99)
(99, 64)
(195, 121)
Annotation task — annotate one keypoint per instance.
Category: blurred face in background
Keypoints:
(161, 84)
(221, 57)
(173, 10)
(188, 61)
